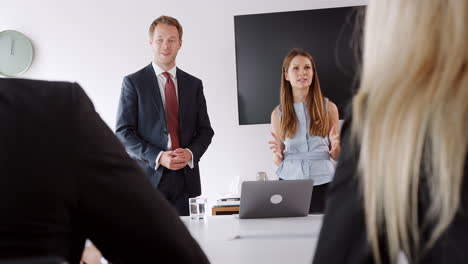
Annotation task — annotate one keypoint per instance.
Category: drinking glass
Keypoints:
(197, 207)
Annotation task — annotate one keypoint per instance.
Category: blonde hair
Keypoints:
(319, 122)
(410, 119)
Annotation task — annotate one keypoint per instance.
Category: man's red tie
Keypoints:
(172, 111)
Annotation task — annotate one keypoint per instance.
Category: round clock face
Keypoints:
(16, 53)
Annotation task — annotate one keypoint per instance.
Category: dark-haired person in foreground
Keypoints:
(65, 177)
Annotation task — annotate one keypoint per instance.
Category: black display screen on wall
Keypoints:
(263, 40)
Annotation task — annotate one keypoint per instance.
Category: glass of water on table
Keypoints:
(197, 207)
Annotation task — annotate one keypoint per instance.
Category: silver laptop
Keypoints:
(288, 198)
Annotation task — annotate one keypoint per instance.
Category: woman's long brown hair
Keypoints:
(319, 123)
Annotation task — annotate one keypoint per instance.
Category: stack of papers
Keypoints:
(225, 202)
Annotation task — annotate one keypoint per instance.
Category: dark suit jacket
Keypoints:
(65, 177)
(142, 127)
(343, 237)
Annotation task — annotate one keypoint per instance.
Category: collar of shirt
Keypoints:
(162, 81)
(159, 72)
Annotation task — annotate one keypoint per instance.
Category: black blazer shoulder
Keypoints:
(182, 74)
(65, 177)
(142, 76)
(141, 72)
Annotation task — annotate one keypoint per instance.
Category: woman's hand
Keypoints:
(277, 145)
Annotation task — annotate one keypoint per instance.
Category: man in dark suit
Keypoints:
(65, 177)
(162, 118)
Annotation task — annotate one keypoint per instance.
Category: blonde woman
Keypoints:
(305, 128)
(400, 188)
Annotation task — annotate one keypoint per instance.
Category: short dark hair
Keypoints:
(168, 21)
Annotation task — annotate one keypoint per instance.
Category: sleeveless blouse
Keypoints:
(306, 156)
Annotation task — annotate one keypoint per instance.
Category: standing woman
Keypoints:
(401, 185)
(305, 128)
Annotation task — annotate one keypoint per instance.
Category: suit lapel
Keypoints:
(153, 88)
(182, 86)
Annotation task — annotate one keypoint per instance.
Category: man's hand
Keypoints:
(172, 160)
(183, 155)
(175, 160)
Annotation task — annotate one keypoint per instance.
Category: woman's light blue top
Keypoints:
(306, 156)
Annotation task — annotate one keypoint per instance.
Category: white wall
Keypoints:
(97, 42)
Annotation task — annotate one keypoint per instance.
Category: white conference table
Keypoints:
(227, 239)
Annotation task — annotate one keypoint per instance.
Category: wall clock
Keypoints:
(16, 53)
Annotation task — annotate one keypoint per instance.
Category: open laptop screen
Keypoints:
(289, 198)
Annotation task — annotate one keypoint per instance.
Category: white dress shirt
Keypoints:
(161, 83)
